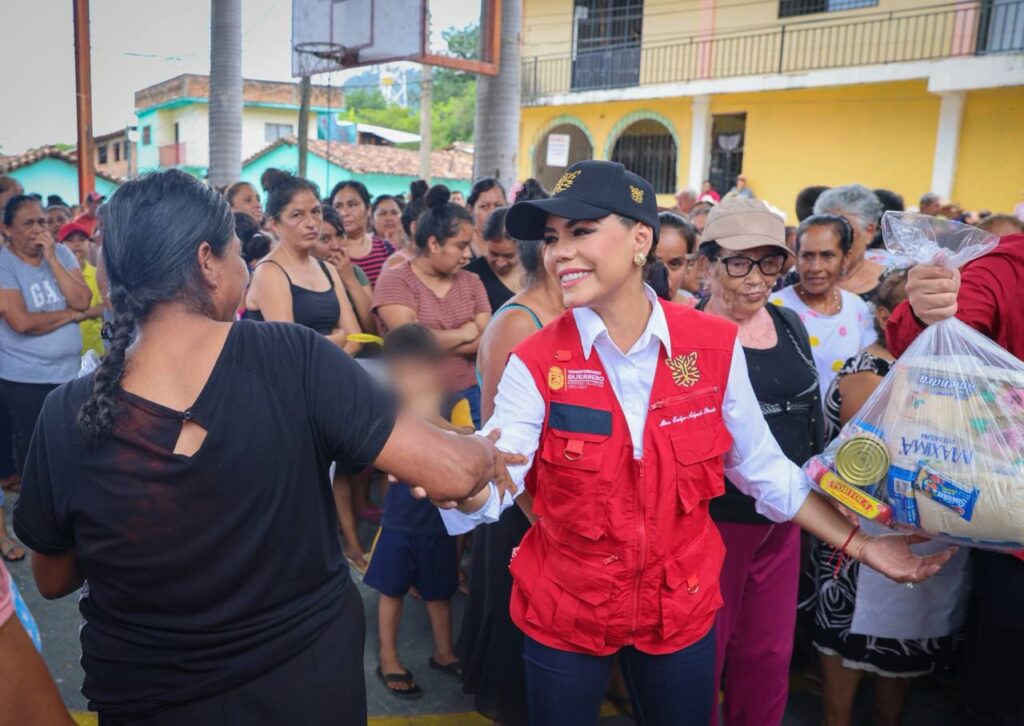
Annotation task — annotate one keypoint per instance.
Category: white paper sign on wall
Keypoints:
(558, 150)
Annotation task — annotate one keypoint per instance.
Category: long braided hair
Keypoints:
(153, 228)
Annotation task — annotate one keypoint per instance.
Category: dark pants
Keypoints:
(23, 401)
(324, 684)
(994, 676)
(6, 443)
(566, 689)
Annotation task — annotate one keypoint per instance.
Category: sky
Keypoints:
(135, 43)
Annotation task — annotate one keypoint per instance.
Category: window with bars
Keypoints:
(647, 148)
(791, 8)
(273, 132)
(727, 135)
(606, 43)
(101, 154)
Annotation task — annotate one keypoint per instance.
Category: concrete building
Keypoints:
(901, 94)
(115, 154)
(174, 120)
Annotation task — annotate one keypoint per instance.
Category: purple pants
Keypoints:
(755, 625)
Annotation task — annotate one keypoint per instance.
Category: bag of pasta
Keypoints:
(939, 446)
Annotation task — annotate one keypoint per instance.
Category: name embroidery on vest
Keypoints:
(684, 369)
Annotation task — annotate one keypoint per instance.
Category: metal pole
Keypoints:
(83, 92)
(426, 121)
(304, 91)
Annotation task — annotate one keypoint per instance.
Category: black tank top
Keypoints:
(318, 311)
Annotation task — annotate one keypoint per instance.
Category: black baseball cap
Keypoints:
(587, 190)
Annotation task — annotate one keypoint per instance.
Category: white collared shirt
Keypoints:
(755, 464)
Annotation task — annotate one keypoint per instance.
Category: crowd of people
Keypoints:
(645, 383)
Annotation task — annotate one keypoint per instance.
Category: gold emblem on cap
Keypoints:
(637, 194)
(862, 460)
(566, 181)
(684, 369)
(556, 377)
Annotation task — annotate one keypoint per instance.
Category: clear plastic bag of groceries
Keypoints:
(938, 448)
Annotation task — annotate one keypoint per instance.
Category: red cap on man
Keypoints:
(94, 196)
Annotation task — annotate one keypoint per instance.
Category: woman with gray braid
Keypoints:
(184, 485)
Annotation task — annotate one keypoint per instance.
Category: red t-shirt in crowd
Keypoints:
(466, 299)
(89, 221)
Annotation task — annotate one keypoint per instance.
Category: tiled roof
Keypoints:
(370, 159)
(12, 163)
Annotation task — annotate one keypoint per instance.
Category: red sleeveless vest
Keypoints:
(624, 551)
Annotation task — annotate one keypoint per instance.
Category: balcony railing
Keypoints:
(172, 154)
(948, 31)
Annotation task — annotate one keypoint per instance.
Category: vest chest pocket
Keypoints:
(699, 440)
(572, 486)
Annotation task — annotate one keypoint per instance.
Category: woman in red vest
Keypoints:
(631, 412)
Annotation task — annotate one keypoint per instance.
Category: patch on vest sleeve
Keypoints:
(580, 419)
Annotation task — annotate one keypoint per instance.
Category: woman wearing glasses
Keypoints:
(676, 250)
(744, 255)
(839, 322)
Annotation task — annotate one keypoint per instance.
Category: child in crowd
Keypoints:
(75, 236)
(413, 549)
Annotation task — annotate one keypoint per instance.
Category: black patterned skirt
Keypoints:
(835, 598)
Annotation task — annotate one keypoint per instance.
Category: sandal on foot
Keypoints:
(9, 545)
(411, 693)
(453, 669)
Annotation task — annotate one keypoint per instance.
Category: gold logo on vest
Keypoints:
(684, 369)
(556, 378)
(637, 194)
(566, 181)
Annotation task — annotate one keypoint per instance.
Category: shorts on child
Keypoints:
(401, 560)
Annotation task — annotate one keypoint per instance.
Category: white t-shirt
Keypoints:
(834, 338)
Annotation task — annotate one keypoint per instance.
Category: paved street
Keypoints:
(443, 702)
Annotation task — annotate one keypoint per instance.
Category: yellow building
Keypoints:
(899, 94)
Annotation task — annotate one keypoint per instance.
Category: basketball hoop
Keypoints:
(330, 54)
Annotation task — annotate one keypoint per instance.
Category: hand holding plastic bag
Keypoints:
(939, 446)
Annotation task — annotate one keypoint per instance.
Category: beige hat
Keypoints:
(742, 224)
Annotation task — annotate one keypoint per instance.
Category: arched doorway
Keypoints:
(579, 149)
(647, 148)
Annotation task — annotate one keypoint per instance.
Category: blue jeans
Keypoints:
(566, 689)
(472, 394)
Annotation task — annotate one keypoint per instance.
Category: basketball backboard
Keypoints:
(331, 35)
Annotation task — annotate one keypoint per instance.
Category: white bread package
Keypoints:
(938, 448)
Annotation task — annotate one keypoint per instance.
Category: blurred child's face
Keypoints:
(78, 243)
(418, 385)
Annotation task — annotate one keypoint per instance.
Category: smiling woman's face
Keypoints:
(592, 260)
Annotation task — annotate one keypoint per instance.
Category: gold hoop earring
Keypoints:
(639, 259)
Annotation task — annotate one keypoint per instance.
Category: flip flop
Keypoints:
(453, 669)
(8, 545)
(410, 694)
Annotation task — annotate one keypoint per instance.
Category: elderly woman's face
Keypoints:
(744, 296)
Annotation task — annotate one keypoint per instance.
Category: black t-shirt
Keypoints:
(205, 571)
(497, 293)
(786, 382)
